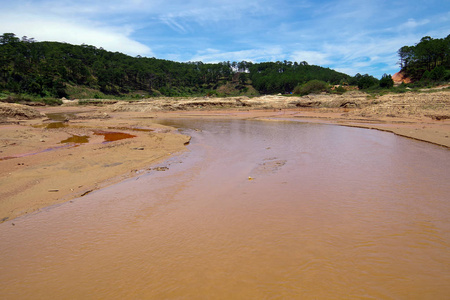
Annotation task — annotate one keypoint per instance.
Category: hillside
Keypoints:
(428, 60)
(52, 69)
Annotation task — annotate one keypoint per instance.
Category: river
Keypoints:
(254, 210)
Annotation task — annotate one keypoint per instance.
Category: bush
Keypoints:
(312, 86)
(52, 101)
(447, 75)
(386, 81)
(340, 90)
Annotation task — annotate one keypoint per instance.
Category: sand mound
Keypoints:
(18, 111)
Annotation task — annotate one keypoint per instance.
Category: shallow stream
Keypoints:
(255, 210)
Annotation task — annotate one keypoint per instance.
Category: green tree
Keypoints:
(425, 56)
(8, 38)
(366, 81)
(438, 73)
(386, 81)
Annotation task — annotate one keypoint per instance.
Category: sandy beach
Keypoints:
(45, 161)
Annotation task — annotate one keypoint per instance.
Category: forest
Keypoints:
(54, 69)
(428, 60)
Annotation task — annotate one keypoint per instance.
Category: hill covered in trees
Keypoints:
(53, 69)
(428, 60)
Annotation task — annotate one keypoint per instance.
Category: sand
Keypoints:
(38, 170)
(49, 172)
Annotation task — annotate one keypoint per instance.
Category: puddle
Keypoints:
(55, 125)
(108, 137)
(51, 125)
(113, 136)
(61, 117)
(76, 139)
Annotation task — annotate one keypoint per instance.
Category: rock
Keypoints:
(18, 111)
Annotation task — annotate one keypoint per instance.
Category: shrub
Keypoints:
(386, 81)
(340, 90)
(312, 86)
(52, 101)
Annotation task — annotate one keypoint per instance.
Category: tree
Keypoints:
(8, 38)
(406, 55)
(386, 81)
(438, 73)
(366, 81)
(242, 78)
(425, 56)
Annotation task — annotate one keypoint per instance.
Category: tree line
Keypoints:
(53, 69)
(50, 68)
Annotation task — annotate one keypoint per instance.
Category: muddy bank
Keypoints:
(45, 161)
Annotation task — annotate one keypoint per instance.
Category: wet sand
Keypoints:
(38, 170)
(42, 166)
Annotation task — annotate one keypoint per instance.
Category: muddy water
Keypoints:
(330, 213)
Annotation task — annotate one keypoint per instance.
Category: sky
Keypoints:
(350, 36)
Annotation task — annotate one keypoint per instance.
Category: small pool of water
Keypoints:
(110, 136)
(76, 139)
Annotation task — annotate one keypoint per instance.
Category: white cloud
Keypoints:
(74, 31)
(412, 24)
(311, 57)
(270, 53)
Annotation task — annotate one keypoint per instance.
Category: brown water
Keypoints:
(331, 213)
(76, 139)
(113, 136)
(56, 125)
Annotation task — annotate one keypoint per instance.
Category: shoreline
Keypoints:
(48, 175)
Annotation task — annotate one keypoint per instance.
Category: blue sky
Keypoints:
(351, 36)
